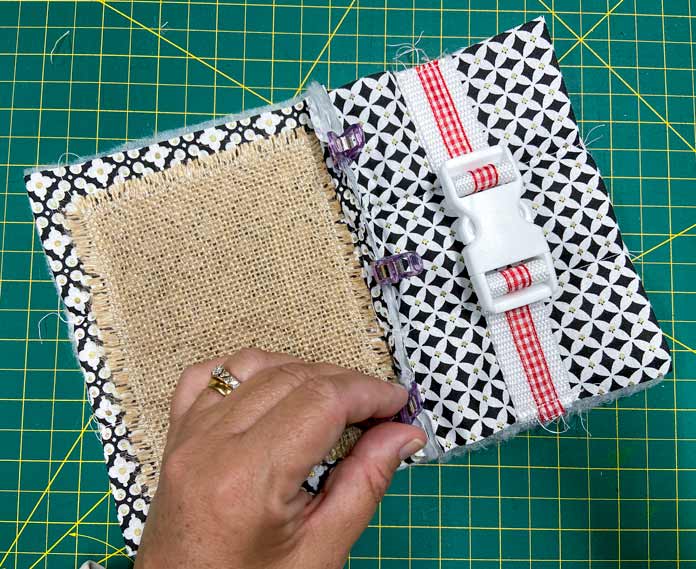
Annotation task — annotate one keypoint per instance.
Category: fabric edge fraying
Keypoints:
(577, 408)
(77, 223)
(171, 133)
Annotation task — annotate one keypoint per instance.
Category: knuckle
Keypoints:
(324, 390)
(295, 373)
(176, 465)
(247, 357)
(224, 494)
(275, 513)
(191, 381)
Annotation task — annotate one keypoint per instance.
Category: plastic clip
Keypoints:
(346, 147)
(391, 270)
(406, 415)
(413, 406)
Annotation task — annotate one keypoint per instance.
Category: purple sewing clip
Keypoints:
(344, 148)
(391, 270)
(406, 415)
(413, 406)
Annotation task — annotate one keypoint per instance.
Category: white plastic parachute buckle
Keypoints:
(496, 228)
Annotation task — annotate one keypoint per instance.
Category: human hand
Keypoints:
(229, 493)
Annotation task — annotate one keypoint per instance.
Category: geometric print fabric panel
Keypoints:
(607, 333)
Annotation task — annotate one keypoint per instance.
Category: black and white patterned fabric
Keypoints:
(605, 328)
(607, 334)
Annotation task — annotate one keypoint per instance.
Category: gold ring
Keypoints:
(217, 384)
(223, 381)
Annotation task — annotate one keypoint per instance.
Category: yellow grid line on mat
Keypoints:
(665, 120)
(588, 478)
(8, 155)
(29, 300)
(323, 49)
(184, 51)
(616, 416)
(620, 77)
(44, 493)
(639, 258)
(80, 519)
(675, 363)
(588, 32)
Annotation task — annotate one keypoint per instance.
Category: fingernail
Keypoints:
(410, 448)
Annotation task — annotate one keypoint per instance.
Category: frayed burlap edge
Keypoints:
(115, 345)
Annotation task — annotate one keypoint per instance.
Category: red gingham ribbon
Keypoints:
(526, 340)
(485, 177)
(446, 116)
(517, 277)
(520, 320)
(529, 348)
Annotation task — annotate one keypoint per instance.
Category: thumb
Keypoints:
(359, 482)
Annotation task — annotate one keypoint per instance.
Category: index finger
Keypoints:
(302, 428)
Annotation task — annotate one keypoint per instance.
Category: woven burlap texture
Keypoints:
(242, 248)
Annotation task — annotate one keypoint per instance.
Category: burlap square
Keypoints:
(242, 248)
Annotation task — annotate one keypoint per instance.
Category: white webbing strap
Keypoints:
(522, 338)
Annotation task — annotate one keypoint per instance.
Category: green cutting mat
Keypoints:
(621, 494)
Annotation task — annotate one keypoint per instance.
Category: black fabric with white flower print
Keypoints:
(607, 333)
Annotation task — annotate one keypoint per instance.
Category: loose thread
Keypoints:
(417, 54)
(94, 425)
(66, 156)
(543, 426)
(566, 425)
(56, 44)
(556, 432)
(583, 425)
(60, 317)
(633, 255)
(591, 141)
